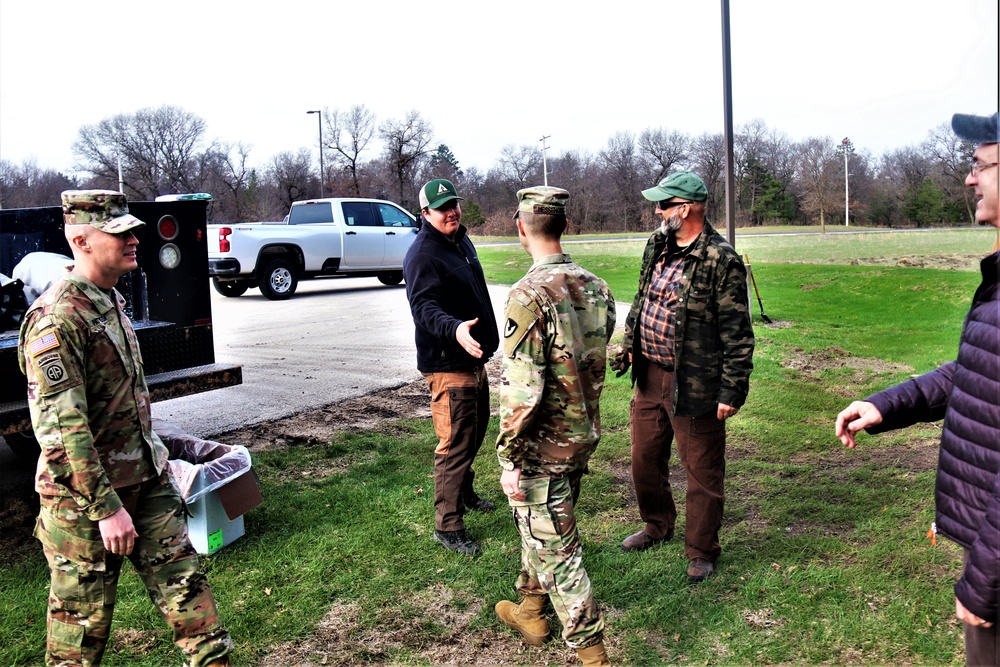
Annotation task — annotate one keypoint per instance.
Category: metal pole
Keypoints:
(847, 198)
(121, 181)
(545, 165)
(322, 172)
(727, 97)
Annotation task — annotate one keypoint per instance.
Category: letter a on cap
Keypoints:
(442, 189)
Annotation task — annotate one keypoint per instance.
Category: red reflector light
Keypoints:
(167, 228)
(224, 233)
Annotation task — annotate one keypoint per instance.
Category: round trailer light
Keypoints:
(170, 256)
(167, 228)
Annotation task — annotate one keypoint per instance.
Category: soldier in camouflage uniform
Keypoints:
(102, 475)
(558, 321)
(689, 341)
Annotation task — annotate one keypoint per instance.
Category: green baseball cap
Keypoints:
(542, 199)
(683, 184)
(105, 210)
(435, 193)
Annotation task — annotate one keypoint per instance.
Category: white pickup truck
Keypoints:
(318, 238)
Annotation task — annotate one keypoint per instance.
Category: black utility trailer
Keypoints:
(167, 298)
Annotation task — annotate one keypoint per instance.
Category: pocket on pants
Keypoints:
(536, 492)
(66, 639)
(76, 562)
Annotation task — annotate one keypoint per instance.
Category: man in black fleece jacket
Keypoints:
(456, 334)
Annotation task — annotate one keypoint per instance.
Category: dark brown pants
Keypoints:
(460, 408)
(701, 446)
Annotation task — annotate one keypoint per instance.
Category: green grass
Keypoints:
(824, 555)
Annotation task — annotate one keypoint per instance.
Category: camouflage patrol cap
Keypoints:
(105, 210)
(542, 199)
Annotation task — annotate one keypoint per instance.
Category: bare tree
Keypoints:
(817, 173)
(27, 185)
(628, 171)
(290, 174)
(229, 177)
(708, 159)
(519, 164)
(406, 144)
(667, 150)
(952, 156)
(159, 150)
(349, 134)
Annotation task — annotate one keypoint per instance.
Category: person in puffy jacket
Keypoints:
(966, 394)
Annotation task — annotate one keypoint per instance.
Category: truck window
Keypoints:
(393, 217)
(359, 214)
(310, 214)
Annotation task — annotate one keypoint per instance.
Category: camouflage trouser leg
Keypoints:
(85, 577)
(552, 558)
(83, 585)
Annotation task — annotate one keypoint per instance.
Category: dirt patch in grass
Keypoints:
(135, 642)
(860, 370)
(954, 261)
(918, 455)
(17, 521)
(378, 411)
(436, 625)
(375, 411)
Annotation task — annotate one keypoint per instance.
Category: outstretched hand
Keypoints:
(463, 335)
(857, 416)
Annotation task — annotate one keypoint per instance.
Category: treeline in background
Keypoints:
(779, 181)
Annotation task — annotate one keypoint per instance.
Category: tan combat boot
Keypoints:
(593, 656)
(527, 618)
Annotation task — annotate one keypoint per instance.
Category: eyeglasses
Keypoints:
(976, 167)
(665, 205)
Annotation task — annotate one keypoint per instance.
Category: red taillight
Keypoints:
(224, 233)
(167, 228)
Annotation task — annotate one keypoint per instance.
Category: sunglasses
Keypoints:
(666, 205)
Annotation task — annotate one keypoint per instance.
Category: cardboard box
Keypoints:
(216, 481)
(217, 516)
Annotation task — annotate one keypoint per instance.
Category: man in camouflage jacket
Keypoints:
(557, 324)
(690, 343)
(102, 477)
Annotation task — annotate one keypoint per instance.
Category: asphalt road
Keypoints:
(334, 339)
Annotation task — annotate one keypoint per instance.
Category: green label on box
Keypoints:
(215, 540)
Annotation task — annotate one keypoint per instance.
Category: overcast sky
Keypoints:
(490, 74)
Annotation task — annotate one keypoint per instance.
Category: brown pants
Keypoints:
(460, 408)
(701, 445)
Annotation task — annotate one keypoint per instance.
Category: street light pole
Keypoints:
(846, 147)
(322, 172)
(545, 165)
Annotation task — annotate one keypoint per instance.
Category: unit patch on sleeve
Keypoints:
(519, 320)
(44, 343)
(54, 374)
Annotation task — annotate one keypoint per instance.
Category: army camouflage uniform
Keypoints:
(713, 349)
(558, 321)
(91, 415)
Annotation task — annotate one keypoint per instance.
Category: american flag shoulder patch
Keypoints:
(43, 343)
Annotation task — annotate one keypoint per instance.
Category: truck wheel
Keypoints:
(391, 277)
(278, 280)
(24, 445)
(230, 287)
